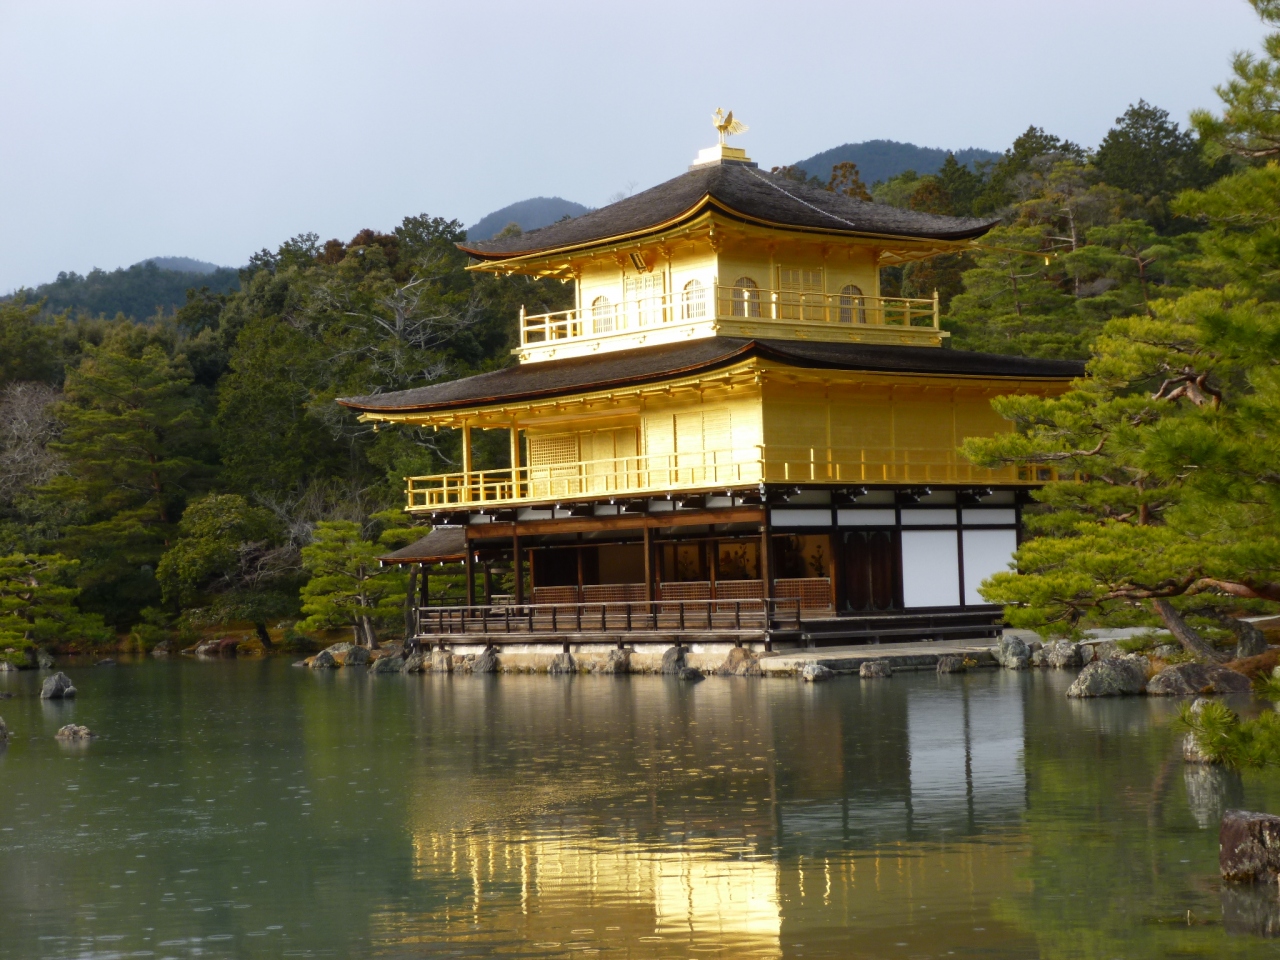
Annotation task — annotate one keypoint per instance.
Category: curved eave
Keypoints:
(548, 393)
(492, 260)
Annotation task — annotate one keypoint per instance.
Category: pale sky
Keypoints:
(214, 129)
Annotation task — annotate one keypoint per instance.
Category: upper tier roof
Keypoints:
(552, 378)
(736, 189)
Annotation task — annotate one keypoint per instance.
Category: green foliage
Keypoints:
(217, 534)
(1146, 153)
(37, 603)
(1227, 739)
(28, 350)
(135, 445)
(347, 587)
(1250, 123)
(138, 292)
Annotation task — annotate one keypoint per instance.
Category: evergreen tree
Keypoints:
(228, 556)
(1146, 153)
(135, 446)
(1250, 123)
(347, 586)
(37, 605)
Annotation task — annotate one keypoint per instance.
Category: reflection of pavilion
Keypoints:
(545, 884)
(737, 814)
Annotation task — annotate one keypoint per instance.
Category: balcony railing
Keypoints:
(728, 302)
(711, 469)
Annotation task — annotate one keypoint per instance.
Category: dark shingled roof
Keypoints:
(550, 378)
(442, 543)
(736, 188)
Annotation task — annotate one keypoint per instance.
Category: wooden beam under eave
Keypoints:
(682, 518)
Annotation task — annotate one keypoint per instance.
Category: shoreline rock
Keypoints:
(816, 672)
(1012, 654)
(952, 664)
(1113, 677)
(875, 670)
(1192, 679)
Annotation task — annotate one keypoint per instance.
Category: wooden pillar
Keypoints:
(469, 566)
(766, 551)
(578, 551)
(648, 564)
(517, 563)
(515, 460)
(711, 551)
(488, 583)
(425, 595)
(466, 457)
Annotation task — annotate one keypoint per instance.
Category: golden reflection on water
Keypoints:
(568, 892)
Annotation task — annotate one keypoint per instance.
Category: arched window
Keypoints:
(694, 301)
(601, 315)
(746, 298)
(851, 304)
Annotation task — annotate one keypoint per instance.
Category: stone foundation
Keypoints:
(603, 656)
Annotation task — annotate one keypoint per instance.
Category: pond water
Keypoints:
(249, 809)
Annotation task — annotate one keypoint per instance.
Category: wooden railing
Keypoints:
(710, 469)
(601, 320)
(532, 622)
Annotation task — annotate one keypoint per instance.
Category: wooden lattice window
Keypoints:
(800, 295)
(694, 301)
(746, 298)
(851, 304)
(814, 593)
(601, 315)
(554, 449)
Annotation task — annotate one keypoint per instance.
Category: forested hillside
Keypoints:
(138, 292)
(880, 160)
(527, 215)
(159, 474)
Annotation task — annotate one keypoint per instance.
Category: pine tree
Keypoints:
(134, 443)
(347, 586)
(37, 605)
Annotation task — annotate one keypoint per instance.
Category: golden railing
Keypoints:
(728, 302)
(660, 473)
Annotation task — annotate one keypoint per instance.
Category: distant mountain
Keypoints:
(882, 159)
(528, 214)
(137, 292)
(182, 264)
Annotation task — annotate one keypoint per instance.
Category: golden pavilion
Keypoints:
(732, 434)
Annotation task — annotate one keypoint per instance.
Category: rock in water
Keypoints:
(161, 649)
(814, 672)
(952, 664)
(487, 662)
(875, 669)
(44, 659)
(441, 661)
(387, 665)
(1063, 655)
(73, 732)
(1192, 752)
(414, 663)
(1116, 676)
(1249, 846)
(691, 674)
(4, 731)
(323, 661)
(1190, 679)
(1012, 653)
(105, 662)
(562, 663)
(1087, 653)
(672, 660)
(336, 648)
(57, 687)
